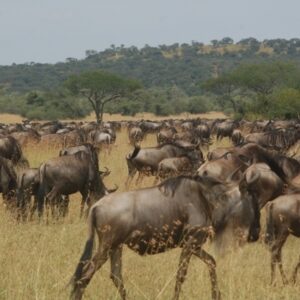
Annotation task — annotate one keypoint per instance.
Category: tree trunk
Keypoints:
(101, 113)
(233, 104)
(98, 113)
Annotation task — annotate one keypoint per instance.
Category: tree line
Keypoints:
(238, 78)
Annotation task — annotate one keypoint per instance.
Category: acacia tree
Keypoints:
(100, 88)
(223, 86)
(255, 81)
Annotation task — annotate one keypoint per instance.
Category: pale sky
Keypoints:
(52, 30)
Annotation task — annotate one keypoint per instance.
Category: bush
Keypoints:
(285, 104)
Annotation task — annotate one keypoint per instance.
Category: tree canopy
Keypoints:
(259, 88)
(100, 88)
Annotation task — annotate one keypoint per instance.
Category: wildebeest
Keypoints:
(184, 165)
(180, 212)
(8, 181)
(50, 127)
(10, 149)
(74, 138)
(65, 175)
(283, 219)
(264, 185)
(102, 139)
(222, 167)
(135, 135)
(87, 148)
(237, 137)
(27, 186)
(268, 186)
(225, 129)
(219, 152)
(150, 126)
(146, 160)
(53, 140)
(30, 136)
(188, 136)
(203, 131)
(166, 135)
(280, 140)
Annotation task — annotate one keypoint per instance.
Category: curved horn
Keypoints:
(254, 179)
(235, 175)
(113, 190)
(104, 173)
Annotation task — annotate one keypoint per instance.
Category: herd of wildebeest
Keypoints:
(194, 197)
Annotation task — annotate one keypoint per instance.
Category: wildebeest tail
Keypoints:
(270, 230)
(88, 249)
(42, 171)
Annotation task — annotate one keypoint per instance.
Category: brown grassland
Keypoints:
(37, 260)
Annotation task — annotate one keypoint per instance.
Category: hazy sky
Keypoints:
(52, 30)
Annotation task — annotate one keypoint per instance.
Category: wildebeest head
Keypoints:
(240, 205)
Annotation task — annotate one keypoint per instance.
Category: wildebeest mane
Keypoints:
(272, 161)
(172, 184)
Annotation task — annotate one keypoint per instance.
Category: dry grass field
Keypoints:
(10, 118)
(37, 260)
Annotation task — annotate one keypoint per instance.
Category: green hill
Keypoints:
(183, 65)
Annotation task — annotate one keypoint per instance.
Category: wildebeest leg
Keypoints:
(139, 178)
(209, 260)
(64, 205)
(276, 258)
(296, 271)
(89, 270)
(23, 202)
(284, 279)
(51, 200)
(184, 260)
(116, 271)
(40, 200)
(130, 178)
(34, 207)
(85, 199)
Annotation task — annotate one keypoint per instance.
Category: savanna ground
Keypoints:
(37, 260)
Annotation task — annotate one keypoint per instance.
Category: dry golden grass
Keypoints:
(10, 118)
(150, 116)
(37, 260)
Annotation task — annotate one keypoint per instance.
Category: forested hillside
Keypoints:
(237, 78)
(183, 65)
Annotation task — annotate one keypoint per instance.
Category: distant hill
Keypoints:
(183, 65)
